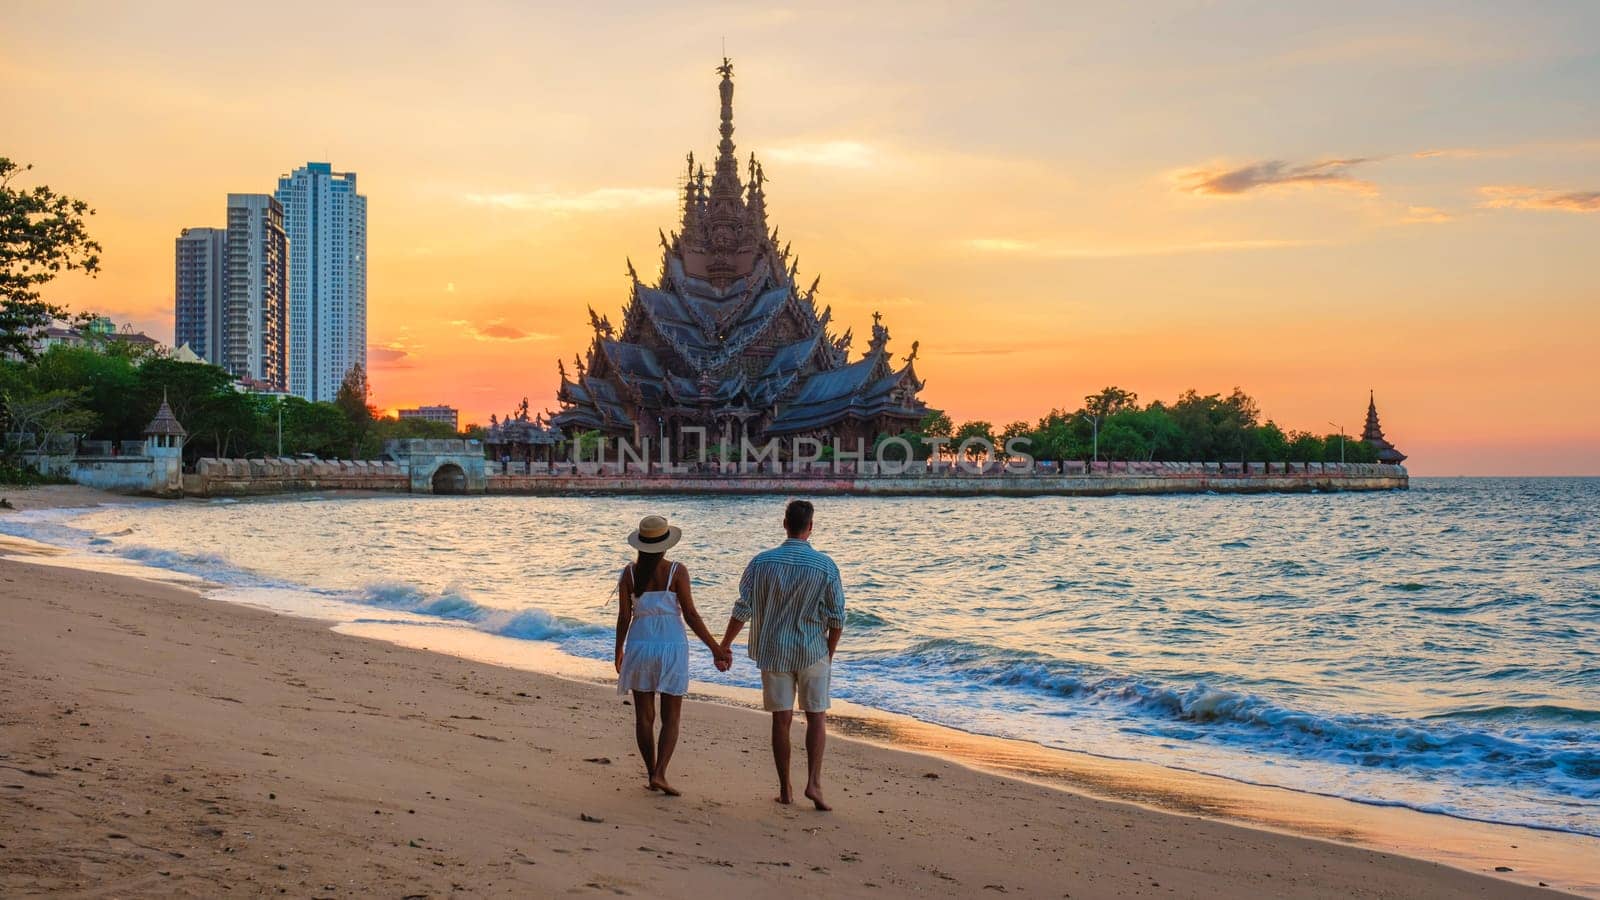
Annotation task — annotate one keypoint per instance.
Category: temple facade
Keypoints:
(1373, 435)
(726, 341)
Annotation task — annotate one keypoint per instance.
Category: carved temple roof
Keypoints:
(725, 332)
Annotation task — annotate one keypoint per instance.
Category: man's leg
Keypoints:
(644, 728)
(671, 707)
(780, 752)
(816, 742)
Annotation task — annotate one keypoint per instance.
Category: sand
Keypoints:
(156, 742)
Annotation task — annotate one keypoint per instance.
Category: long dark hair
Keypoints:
(643, 569)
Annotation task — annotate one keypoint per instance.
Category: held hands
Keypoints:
(723, 657)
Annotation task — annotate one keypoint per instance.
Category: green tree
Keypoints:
(44, 419)
(320, 429)
(935, 424)
(222, 424)
(1017, 429)
(184, 385)
(1306, 447)
(352, 401)
(42, 234)
(1214, 427)
(588, 445)
(979, 430)
(1110, 401)
(109, 384)
(1270, 443)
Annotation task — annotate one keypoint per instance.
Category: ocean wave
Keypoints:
(455, 604)
(1541, 746)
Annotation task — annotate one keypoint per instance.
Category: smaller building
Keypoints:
(443, 415)
(519, 438)
(1373, 435)
(99, 333)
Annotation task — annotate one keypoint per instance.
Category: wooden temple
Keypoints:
(725, 341)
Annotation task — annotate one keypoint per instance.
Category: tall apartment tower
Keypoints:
(255, 309)
(327, 225)
(198, 294)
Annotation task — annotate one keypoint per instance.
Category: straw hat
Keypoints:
(654, 535)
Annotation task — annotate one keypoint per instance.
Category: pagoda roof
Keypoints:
(633, 360)
(165, 424)
(855, 391)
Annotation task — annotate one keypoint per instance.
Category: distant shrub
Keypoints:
(21, 474)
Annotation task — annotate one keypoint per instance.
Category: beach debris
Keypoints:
(588, 818)
(598, 760)
(1504, 869)
(6, 504)
(930, 775)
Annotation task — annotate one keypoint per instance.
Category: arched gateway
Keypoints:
(441, 466)
(449, 478)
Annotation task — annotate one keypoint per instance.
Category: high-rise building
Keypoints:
(197, 297)
(255, 304)
(327, 225)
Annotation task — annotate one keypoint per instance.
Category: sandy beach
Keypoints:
(155, 742)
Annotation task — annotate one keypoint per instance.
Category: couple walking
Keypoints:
(794, 603)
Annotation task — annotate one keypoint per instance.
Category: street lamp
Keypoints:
(1341, 441)
(1094, 422)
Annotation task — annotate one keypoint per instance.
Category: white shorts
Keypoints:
(779, 690)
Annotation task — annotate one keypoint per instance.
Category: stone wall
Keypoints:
(948, 480)
(244, 477)
(160, 476)
(237, 477)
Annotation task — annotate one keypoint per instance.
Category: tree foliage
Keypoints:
(42, 234)
(1194, 428)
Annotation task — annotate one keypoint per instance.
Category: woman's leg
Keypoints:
(671, 708)
(644, 728)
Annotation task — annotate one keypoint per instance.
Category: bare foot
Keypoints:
(784, 796)
(660, 784)
(651, 784)
(814, 794)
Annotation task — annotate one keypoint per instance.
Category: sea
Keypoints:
(1437, 648)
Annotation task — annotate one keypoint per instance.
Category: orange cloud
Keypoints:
(498, 330)
(1426, 215)
(1277, 173)
(387, 358)
(1512, 196)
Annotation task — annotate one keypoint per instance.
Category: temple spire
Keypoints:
(1373, 429)
(1372, 434)
(725, 181)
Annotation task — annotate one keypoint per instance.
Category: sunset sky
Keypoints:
(1304, 200)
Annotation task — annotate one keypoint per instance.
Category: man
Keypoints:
(794, 601)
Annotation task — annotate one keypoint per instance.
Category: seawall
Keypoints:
(935, 486)
(237, 478)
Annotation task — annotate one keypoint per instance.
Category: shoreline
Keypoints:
(1169, 795)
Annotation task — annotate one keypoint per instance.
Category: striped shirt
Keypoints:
(792, 595)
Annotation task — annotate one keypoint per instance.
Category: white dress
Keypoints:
(655, 656)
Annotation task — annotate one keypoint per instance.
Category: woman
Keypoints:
(653, 603)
